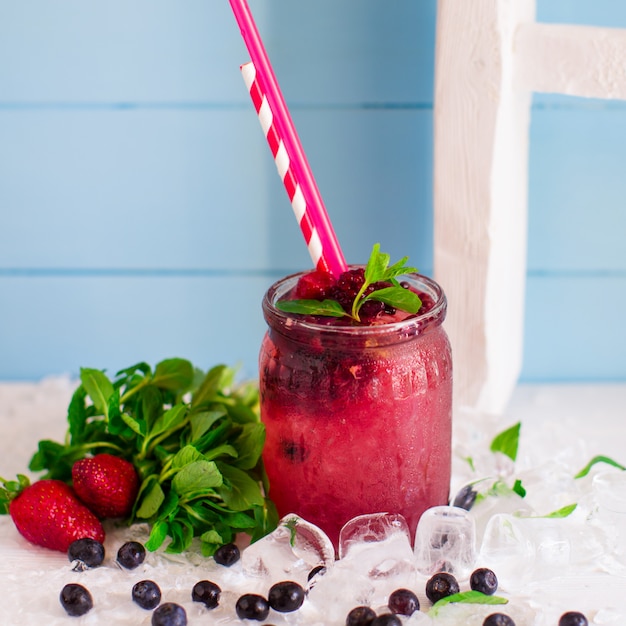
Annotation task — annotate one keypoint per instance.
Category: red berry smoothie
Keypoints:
(358, 416)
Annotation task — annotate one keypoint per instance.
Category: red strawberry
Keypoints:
(49, 514)
(107, 484)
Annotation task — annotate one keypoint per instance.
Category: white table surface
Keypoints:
(568, 422)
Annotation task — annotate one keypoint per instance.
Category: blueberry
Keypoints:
(484, 580)
(206, 592)
(88, 552)
(227, 554)
(498, 619)
(441, 585)
(75, 599)
(403, 602)
(131, 554)
(146, 594)
(465, 498)
(360, 616)
(252, 606)
(573, 618)
(317, 570)
(386, 619)
(169, 614)
(285, 596)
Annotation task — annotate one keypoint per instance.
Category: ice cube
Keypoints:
(446, 541)
(523, 548)
(609, 490)
(291, 551)
(371, 528)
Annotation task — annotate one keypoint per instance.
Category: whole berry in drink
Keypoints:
(206, 592)
(387, 619)
(169, 614)
(252, 606)
(131, 554)
(48, 514)
(314, 285)
(286, 596)
(227, 555)
(484, 580)
(87, 552)
(360, 616)
(498, 619)
(403, 602)
(441, 585)
(75, 599)
(573, 618)
(146, 593)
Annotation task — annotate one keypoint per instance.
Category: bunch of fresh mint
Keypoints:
(195, 439)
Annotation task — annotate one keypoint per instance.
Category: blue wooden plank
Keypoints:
(110, 51)
(597, 13)
(161, 51)
(574, 328)
(198, 189)
(55, 325)
(577, 188)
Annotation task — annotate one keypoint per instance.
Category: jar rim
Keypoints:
(414, 325)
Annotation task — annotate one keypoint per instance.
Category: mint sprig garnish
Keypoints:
(195, 439)
(377, 270)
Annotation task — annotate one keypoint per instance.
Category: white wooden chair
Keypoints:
(490, 56)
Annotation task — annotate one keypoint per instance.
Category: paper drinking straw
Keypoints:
(292, 163)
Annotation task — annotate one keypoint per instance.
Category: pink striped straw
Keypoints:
(286, 148)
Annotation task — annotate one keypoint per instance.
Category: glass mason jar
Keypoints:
(358, 418)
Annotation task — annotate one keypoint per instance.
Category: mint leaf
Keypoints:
(507, 441)
(99, 388)
(562, 512)
(398, 297)
(197, 476)
(598, 459)
(173, 374)
(466, 597)
(328, 308)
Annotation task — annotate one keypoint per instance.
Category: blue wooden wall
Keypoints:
(141, 216)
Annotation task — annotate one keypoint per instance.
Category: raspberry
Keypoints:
(314, 285)
(347, 287)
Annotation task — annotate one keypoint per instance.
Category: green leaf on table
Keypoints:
(466, 597)
(507, 442)
(598, 459)
(519, 489)
(562, 512)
